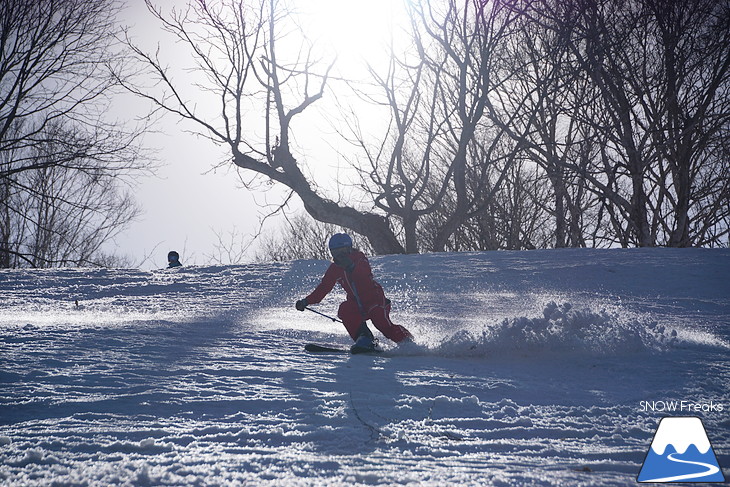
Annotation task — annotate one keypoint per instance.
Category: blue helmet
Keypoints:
(339, 240)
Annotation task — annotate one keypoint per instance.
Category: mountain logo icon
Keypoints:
(680, 452)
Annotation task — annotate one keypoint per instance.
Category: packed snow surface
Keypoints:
(529, 368)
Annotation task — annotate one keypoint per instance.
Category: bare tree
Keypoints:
(515, 217)
(258, 91)
(695, 66)
(461, 51)
(662, 70)
(538, 108)
(59, 215)
(622, 106)
(58, 154)
(440, 162)
(400, 167)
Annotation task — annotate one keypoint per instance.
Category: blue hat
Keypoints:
(339, 240)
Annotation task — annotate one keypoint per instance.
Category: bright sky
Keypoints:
(185, 204)
(353, 29)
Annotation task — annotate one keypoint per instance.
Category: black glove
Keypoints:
(302, 304)
(345, 262)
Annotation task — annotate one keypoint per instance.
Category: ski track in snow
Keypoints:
(529, 369)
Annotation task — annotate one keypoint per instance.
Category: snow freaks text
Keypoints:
(681, 407)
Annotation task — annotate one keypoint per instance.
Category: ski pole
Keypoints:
(322, 314)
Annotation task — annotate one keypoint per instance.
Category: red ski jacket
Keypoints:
(358, 284)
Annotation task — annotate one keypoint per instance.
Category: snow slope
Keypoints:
(530, 368)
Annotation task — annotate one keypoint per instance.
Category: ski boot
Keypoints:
(365, 342)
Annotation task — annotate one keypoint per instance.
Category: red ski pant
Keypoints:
(379, 315)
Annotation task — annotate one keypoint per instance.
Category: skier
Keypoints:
(365, 297)
(173, 259)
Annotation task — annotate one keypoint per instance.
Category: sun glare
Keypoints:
(353, 30)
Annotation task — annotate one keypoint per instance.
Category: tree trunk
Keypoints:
(372, 226)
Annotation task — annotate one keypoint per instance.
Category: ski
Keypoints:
(360, 350)
(314, 348)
